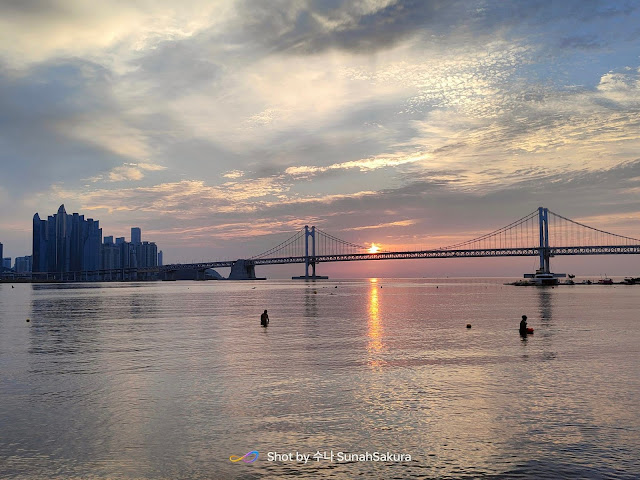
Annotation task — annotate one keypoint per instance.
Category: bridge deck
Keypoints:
(470, 253)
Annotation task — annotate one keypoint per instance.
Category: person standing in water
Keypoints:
(264, 319)
(523, 325)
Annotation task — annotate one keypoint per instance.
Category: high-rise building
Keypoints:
(136, 235)
(111, 259)
(65, 243)
(22, 264)
(39, 251)
(91, 257)
(1, 254)
(6, 263)
(160, 258)
(146, 254)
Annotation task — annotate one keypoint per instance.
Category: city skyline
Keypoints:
(221, 127)
(68, 246)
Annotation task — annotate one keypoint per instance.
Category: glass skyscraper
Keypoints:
(66, 243)
(136, 235)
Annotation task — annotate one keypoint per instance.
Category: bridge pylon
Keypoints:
(543, 218)
(543, 275)
(309, 260)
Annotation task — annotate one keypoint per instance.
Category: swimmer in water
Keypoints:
(523, 325)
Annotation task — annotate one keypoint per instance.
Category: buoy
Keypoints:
(28, 320)
(468, 325)
(529, 330)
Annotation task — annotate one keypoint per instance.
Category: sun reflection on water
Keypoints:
(375, 346)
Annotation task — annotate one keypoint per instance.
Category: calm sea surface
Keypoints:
(167, 380)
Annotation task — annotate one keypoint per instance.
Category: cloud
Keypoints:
(559, 132)
(310, 27)
(363, 165)
(399, 223)
(132, 171)
(186, 196)
(233, 174)
(41, 29)
(125, 172)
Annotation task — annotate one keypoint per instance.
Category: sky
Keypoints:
(222, 127)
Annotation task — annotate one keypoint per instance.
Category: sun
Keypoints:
(374, 248)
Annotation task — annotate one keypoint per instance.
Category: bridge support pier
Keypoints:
(243, 270)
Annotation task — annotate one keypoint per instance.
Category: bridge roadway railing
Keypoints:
(596, 250)
(194, 266)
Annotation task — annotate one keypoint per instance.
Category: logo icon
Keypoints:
(246, 458)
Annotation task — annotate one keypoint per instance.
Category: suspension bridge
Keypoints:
(542, 233)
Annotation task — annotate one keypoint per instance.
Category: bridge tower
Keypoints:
(543, 218)
(309, 260)
(309, 233)
(543, 275)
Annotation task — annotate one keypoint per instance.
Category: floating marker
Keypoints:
(468, 325)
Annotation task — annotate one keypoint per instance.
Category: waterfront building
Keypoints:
(6, 263)
(22, 264)
(147, 254)
(39, 251)
(111, 255)
(92, 259)
(136, 235)
(160, 258)
(1, 253)
(65, 243)
(128, 255)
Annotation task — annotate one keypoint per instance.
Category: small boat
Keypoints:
(605, 281)
(541, 278)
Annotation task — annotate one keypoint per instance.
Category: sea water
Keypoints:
(375, 378)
